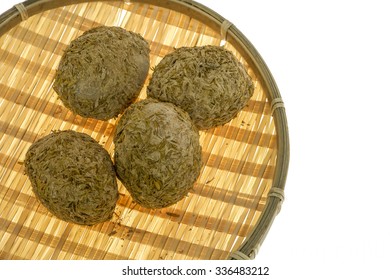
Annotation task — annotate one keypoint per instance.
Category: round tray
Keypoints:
(239, 191)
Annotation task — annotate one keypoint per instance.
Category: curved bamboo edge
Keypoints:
(251, 246)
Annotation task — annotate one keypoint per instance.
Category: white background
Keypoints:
(331, 62)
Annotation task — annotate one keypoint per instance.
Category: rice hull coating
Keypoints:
(102, 72)
(208, 82)
(157, 153)
(73, 177)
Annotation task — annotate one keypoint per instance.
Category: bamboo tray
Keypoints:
(239, 192)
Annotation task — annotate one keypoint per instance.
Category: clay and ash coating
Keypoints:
(157, 153)
(208, 82)
(73, 177)
(102, 72)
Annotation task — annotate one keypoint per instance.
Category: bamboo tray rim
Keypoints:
(230, 33)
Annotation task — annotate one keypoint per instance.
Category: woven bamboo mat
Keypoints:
(213, 221)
